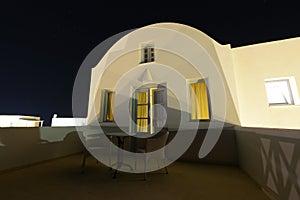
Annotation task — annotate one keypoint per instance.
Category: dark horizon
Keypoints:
(43, 46)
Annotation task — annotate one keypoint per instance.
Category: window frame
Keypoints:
(149, 56)
(136, 105)
(105, 105)
(292, 91)
(150, 88)
(197, 80)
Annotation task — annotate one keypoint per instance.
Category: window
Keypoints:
(108, 106)
(149, 118)
(279, 92)
(199, 101)
(148, 53)
(142, 117)
(282, 91)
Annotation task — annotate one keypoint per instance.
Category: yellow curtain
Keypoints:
(110, 107)
(199, 101)
(142, 111)
(142, 125)
(142, 98)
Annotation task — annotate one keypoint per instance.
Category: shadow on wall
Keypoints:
(224, 152)
(271, 157)
(24, 146)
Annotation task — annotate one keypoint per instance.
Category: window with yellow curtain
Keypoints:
(109, 106)
(142, 115)
(199, 101)
(147, 117)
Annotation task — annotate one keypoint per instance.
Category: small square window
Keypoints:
(279, 91)
(148, 53)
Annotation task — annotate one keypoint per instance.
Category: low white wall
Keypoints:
(272, 158)
(67, 121)
(25, 146)
(20, 121)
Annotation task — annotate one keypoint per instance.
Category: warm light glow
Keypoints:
(199, 101)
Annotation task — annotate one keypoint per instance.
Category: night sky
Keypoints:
(43, 45)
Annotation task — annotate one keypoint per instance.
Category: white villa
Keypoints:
(175, 76)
